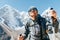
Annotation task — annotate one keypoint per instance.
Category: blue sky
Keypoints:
(23, 5)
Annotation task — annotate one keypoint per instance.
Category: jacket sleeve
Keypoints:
(26, 31)
(56, 25)
(45, 26)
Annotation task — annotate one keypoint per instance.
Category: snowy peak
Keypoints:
(13, 18)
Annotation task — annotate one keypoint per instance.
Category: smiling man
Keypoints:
(35, 26)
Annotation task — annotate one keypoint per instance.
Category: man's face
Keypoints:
(53, 13)
(33, 13)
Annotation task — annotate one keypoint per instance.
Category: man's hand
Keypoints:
(46, 31)
(20, 37)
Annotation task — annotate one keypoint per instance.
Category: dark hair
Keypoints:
(20, 34)
(51, 8)
(33, 8)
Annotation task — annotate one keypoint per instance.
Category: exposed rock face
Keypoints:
(4, 35)
(14, 20)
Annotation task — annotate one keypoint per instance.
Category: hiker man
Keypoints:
(36, 26)
(52, 23)
(55, 23)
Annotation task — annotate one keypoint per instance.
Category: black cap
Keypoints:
(32, 8)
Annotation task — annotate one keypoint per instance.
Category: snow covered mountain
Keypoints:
(46, 14)
(13, 18)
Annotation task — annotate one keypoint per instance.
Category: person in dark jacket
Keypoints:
(55, 24)
(35, 26)
(52, 23)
